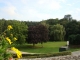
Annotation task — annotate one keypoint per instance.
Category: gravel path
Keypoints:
(76, 53)
(73, 56)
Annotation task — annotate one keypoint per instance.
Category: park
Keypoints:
(47, 38)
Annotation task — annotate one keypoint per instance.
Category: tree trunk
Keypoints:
(33, 45)
(41, 44)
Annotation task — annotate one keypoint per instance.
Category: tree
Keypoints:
(78, 27)
(6, 45)
(44, 23)
(57, 32)
(52, 21)
(63, 22)
(37, 34)
(2, 25)
(49, 23)
(20, 29)
(68, 17)
(31, 23)
(72, 28)
(74, 39)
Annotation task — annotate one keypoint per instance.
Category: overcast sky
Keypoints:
(38, 10)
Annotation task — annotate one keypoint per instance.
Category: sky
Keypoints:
(38, 10)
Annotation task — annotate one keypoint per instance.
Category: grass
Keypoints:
(49, 47)
(74, 49)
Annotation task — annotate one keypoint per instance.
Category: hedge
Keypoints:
(44, 55)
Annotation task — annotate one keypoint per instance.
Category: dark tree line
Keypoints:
(31, 32)
(74, 39)
(71, 25)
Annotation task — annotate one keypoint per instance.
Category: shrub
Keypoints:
(74, 39)
(6, 40)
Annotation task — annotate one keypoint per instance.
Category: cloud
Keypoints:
(78, 10)
(69, 12)
(75, 13)
(69, 4)
(37, 9)
(9, 10)
(41, 1)
(36, 14)
(27, 10)
(62, 0)
(49, 4)
(24, 1)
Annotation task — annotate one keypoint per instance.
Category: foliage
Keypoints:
(74, 39)
(37, 34)
(68, 17)
(64, 22)
(6, 40)
(52, 21)
(57, 32)
(72, 28)
(20, 29)
(45, 24)
(31, 23)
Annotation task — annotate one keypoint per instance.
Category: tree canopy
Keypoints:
(20, 29)
(58, 32)
(56, 28)
(37, 34)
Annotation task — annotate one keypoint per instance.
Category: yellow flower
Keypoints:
(19, 54)
(9, 27)
(15, 38)
(7, 38)
(11, 34)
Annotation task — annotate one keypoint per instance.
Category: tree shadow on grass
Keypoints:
(28, 47)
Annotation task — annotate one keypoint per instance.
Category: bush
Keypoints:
(74, 39)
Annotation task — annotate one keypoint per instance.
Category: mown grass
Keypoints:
(48, 47)
(74, 49)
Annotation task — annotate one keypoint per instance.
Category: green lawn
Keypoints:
(74, 49)
(49, 47)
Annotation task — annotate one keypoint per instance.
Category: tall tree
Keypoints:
(37, 34)
(31, 23)
(52, 21)
(68, 17)
(63, 22)
(44, 23)
(72, 28)
(2, 25)
(20, 29)
(57, 32)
